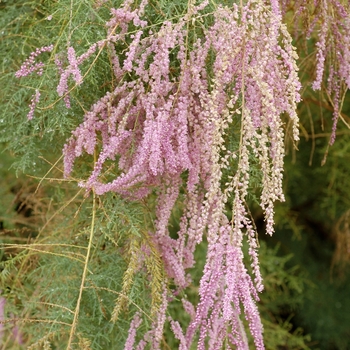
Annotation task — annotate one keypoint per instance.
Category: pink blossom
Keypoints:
(29, 65)
(129, 344)
(34, 101)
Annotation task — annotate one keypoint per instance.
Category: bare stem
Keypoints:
(87, 257)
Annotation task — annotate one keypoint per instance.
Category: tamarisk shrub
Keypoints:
(167, 131)
(196, 102)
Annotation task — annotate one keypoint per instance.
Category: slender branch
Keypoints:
(83, 279)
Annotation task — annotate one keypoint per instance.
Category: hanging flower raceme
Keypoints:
(28, 67)
(328, 23)
(168, 122)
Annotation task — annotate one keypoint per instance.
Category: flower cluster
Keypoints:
(34, 101)
(71, 70)
(333, 50)
(328, 22)
(29, 65)
(135, 323)
(161, 125)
